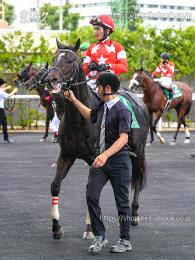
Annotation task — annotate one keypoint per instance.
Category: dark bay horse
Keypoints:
(26, 74)
(155, 101)
(77, 136)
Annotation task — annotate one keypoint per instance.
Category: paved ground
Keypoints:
(167, 208)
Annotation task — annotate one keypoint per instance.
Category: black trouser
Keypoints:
(3, 122)
(118, 169)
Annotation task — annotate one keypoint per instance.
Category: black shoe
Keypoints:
(170, 94)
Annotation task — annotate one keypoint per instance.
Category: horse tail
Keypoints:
(139, 171)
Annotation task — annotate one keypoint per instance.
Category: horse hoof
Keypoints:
(54, 165)
(172, 143)
(148, 144)
(135, 220)
(42, 140)
(88, 235)
(187, 141)
(162, 140)
(59, 234)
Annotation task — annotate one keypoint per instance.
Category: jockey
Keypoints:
(83, 48)
(166, 70)
(105, 54)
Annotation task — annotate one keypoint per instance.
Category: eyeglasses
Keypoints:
(95, 21)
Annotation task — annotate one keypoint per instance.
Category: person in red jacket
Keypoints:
(166, 71)
(106, 54)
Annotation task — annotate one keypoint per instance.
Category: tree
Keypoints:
(70, 20)
(123, 12)
(9, 13)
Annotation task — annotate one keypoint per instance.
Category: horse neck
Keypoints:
(84, 95)
(40, 90)
(148, 87)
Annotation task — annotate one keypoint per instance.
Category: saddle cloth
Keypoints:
(176, 91)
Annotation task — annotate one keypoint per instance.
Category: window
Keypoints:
(153, 6)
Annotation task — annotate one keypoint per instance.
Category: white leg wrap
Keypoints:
(54, 209)
(88, 221)
(187, 132)
(158, 134)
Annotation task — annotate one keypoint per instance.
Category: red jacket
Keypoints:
(107, 52)
(168, 71)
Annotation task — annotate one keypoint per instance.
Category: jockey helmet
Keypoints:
(84, 46)
(104, 21)
(108, 78)
(165, 56)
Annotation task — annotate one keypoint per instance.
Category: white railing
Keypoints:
(25, 97)
(159, 126)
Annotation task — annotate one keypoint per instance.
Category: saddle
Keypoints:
(169, 96)
(176, 92)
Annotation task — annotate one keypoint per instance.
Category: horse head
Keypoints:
(66, 67)
(38, 79)
(139, 79)
(28, 72)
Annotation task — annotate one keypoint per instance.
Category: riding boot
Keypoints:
(170, 94)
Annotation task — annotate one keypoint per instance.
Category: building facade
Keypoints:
(162, 13)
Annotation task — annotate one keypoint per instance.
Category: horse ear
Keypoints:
(77, 45)
(59, 44)
(46, 65)
(141, 69)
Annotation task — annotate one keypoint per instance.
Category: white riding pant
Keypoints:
(166, 82)
(54, 124)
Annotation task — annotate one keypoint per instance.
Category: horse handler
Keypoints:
(112, 160)
(3, 120)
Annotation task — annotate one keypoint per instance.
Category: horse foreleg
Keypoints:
(158, 116)
(151, 131)
(43, 139)
(88, 234)
(63, 165)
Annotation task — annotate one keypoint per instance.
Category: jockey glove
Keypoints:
(93, 66)
(103, 67)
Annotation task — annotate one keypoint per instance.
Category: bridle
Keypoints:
(37, 80)
(70, 81)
